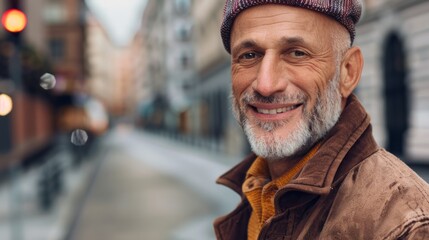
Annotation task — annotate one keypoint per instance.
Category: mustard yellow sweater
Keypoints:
(260, 190)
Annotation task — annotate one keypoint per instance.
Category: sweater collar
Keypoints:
(319, 173)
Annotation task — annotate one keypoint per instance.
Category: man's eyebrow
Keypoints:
(292, 41)
(243, 44)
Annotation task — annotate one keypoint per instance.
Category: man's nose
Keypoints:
(271, 76)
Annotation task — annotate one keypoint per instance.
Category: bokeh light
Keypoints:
(14, 20)
(47, 81)
(79, 137)
(6, 104)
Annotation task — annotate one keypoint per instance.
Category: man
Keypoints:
(316, 171)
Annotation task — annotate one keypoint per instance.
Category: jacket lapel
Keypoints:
(318, 175)
(234, 225)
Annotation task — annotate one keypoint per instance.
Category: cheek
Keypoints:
(311, 85)
(236, 89)
(240, 83)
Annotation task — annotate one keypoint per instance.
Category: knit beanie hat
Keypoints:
(346, 12)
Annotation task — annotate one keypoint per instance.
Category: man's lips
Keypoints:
(272, 109)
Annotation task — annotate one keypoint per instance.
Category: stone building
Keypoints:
(211, 90)
(167, 28)
(394, 37)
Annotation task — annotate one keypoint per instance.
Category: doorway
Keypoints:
(395, 94)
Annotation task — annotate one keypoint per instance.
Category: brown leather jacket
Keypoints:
(351, 189)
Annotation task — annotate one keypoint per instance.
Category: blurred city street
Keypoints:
(135, 186)
(149, 188)
(116, 121)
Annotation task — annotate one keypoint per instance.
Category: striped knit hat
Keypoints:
(346, 12)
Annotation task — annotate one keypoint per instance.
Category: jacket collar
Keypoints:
(326, 166)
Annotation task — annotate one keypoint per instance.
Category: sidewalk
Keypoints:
(149, 187)
(152, 173)
(174, 158)
(20, 215)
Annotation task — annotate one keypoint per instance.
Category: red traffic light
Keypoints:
(14, 20)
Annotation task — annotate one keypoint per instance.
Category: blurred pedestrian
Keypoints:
(316, 171)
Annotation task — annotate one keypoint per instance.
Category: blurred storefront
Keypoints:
(52, 43)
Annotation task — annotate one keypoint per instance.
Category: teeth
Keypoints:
(276, 111)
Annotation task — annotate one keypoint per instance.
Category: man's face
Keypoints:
(284, 78)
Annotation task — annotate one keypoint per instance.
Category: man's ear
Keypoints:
(351, 70)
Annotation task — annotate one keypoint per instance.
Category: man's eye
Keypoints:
(250, 55)
(298, 54)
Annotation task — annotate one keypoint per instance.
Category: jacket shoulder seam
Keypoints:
(422, 220)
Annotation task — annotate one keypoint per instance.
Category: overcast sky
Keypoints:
(121, 18)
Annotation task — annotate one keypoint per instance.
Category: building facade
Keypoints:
(52, 43)
(30, 126)
(100, 56)
(394, 37)
(167, 30)
(211, 89)
(65, 39)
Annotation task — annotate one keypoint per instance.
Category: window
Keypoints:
(55, 12)
(57, 48)
(183, 32)
(182, 6)
(184, 60)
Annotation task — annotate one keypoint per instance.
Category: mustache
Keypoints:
(255, 97)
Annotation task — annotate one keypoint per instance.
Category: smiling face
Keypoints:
(285, 78)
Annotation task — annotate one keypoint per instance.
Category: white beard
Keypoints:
(312, 127)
